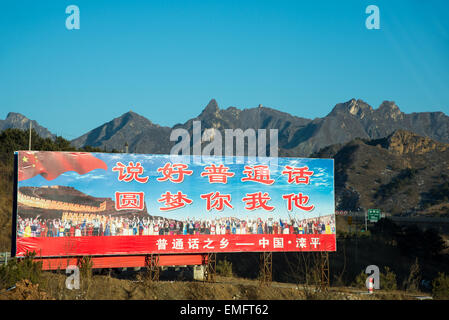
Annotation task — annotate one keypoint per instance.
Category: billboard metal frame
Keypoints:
(14, 207)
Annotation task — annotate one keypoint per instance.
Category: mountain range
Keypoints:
(297, 137)
(384, 158)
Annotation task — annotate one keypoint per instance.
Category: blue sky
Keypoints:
(166, 59)
(101, 183)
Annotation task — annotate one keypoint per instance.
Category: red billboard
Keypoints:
(77, 204)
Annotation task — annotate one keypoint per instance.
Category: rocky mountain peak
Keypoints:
(390, 109)
(130, 115)
(133, 118)
(19, 121)
(211, 108)
(358, 108)
(14, 116)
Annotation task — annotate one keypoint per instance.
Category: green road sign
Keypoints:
(373, 215)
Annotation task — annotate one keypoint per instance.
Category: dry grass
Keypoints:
(106, 287)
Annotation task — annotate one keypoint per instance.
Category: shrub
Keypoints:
(412, 282)
(224, 268)
(85, 264)
(19, 269)
(440, 287)
(388, 280)
(360, 280)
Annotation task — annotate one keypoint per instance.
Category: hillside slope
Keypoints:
(402, 174)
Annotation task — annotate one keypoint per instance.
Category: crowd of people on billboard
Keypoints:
(76, 225)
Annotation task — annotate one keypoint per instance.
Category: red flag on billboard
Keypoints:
(51, 164)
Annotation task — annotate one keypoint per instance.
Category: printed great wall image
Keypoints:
(56, 201)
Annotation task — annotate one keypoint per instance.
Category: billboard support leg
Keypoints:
(210, 262)
(152, 265)
(266, 268)
(324, 270)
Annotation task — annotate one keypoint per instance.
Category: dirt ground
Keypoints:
(108, 287)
